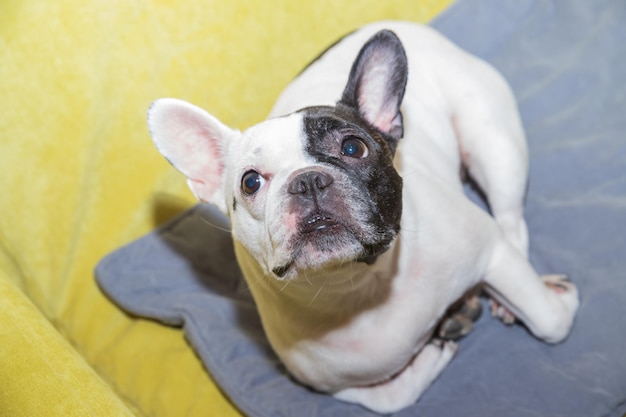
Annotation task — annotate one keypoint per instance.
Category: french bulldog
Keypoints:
(348, 213)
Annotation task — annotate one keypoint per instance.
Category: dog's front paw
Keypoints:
(444, 350)
(459, 319)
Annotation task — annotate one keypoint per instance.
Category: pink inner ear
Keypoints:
(192, 140)
(382, 115)
(389, 121)
(203, 190)
(375, 103)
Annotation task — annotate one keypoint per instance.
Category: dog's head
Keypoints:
(310, 189)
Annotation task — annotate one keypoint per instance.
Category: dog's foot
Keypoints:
(567, 295)
(501, 312)
(558, 283)
(444, 350)
(459, 319)
(546, 305)
(472, 308)
(454, 327)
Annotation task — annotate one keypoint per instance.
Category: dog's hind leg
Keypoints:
(493, 148)
(545, 304)
(406, 387)
(495, 156)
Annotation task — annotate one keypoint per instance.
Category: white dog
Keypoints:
(349, 217)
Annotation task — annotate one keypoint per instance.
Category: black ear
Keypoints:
(377, 82)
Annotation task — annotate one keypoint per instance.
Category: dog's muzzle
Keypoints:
(309, 190)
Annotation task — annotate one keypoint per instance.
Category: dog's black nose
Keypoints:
(310, 183)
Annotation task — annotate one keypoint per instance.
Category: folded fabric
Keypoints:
(38, 361)
(566, 62)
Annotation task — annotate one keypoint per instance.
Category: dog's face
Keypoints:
(310, 189)
(313, 188)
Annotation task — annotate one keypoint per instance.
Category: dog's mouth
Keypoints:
(319, 232)
(323, 240)
(323, 232)
(318, 222)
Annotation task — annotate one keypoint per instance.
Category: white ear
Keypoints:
(195, 143)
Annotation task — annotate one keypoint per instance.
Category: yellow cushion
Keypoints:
(80, 177)
(38, 364)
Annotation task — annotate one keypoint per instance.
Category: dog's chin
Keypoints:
(332, 246)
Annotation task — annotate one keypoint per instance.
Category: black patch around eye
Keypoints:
(327, 128)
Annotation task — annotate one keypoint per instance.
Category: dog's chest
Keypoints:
(371, 346)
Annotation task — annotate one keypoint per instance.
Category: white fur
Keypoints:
(358, 331)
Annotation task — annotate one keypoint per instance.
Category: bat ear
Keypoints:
(195, 143)
(377, 82)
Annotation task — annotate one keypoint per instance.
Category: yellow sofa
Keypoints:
(80, 178)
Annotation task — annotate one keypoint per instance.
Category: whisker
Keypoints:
(306, 277)
(223, 229)
(244, 288)
(352, 275)
(285, 286)
(317, 293)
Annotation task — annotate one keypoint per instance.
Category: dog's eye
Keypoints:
(251, 182)
(354, 148)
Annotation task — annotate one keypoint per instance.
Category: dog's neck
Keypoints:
(336, 291)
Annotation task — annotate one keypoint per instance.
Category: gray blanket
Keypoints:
(566, 61)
